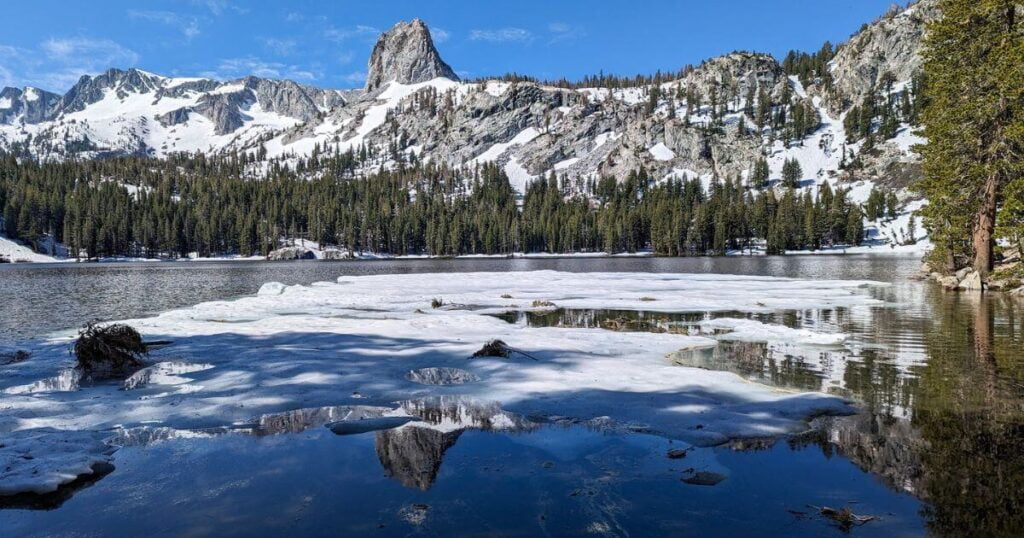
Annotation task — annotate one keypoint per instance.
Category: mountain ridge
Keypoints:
(708, 123)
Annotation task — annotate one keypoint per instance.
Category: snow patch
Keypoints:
(661, 152)
(499, 149)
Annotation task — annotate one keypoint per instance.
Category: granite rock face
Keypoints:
(890, 44)
(406, 54)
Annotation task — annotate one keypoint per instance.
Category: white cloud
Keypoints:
(230, 68)
(440, 35)
(218, 7)
(502, 35)
(356, 77)
(280, 47)
(561, 31)
(90, 51)
(188, 26)
(346, 57)
(358, 31)
(57, 63)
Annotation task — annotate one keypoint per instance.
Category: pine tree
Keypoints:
(759, 174)
(791, 173)
(974, 101)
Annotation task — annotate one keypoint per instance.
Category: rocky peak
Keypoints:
(406, 54)
(91, 89)
(30, 105)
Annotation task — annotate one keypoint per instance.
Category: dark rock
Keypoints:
(704, 478)
(677, 453)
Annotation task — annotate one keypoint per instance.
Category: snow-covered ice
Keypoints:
(41, 460)
(356, 341)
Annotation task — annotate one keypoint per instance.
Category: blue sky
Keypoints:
(327, 43)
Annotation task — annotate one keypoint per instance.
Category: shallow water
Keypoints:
(938, 448)
(485, 476)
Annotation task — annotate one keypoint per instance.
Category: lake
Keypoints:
(936, 449)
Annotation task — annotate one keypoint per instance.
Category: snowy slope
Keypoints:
(14, 251)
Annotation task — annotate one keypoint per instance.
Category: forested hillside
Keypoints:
(149, 208)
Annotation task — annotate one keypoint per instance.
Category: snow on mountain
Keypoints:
(135, 112)
(413, 102)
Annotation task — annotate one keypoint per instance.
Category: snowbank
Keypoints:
(41, 460)
(16, 252)
(355, 341)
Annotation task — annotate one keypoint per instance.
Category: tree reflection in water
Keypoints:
(951, 428)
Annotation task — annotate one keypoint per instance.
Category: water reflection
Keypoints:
(939, 376)
(948, 428)
(756, 361)
(412, 454)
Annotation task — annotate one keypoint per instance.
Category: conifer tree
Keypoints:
(791, 173)
(974, 123)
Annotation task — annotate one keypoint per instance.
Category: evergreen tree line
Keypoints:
(140, 207)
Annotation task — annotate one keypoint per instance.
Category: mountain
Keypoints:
(711, 121)
(28, 104)
(406, 54)
(124, 112)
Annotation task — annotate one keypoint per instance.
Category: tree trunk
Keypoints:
(984, 227)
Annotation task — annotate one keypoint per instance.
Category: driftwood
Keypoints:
(497, 348)
(844, 517)
(109, 350)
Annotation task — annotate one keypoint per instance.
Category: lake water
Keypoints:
(938, 448)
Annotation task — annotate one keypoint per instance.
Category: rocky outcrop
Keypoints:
(28, 105)
(91, 89)
(891, 44)
(291, 253)
(406, 54)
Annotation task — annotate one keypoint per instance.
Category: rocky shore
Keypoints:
(1005, 277)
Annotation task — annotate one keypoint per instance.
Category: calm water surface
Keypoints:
(937, 449)
(36, 299)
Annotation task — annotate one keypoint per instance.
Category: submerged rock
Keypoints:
(677, 453)
(415, 514)
(704, 478)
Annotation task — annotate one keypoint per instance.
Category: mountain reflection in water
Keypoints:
(412, 454)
